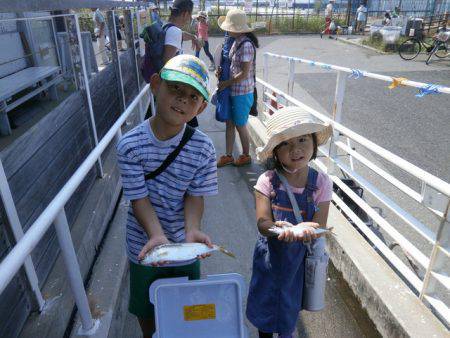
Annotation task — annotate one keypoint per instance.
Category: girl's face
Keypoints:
(296, 152)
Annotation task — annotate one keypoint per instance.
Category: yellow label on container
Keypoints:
(199, 312)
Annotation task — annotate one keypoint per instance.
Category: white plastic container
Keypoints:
(203, 308)
(375, 28)
(390, 33)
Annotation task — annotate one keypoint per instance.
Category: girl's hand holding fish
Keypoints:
(304, 232)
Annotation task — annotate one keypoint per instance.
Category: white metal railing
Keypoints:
(434, 194)
(54, 213)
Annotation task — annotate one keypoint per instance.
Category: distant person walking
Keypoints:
(361, 17)
(100, 29)
(328, 17)
(202, 35)
(154, 14)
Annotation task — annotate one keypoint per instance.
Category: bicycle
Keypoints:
(412, 47)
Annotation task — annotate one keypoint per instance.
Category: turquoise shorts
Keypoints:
(240, 108)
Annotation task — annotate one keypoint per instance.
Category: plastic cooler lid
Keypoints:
(210, 307)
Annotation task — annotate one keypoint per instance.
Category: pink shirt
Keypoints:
(322, 194)
(202, 30)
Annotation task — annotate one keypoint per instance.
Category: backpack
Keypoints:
(154, 36)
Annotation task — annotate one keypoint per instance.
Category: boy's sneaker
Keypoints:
(243, 160)
(212, 67)
(225, 160)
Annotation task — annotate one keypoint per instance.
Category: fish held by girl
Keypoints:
(300, 228)
(180, 252)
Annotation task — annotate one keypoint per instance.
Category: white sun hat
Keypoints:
(235, 22)
(290, 122)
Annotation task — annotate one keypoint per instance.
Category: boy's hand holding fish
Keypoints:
(197, 236)
(153, 242)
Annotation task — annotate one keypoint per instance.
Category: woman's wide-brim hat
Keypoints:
(235, 22)
(220, 20)
(290, 122)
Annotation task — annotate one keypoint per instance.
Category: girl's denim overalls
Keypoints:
(276, 287)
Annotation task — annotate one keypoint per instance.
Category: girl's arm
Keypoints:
(263, 214)
(242, 75)
(321, 215)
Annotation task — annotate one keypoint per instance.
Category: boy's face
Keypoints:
(177, 102)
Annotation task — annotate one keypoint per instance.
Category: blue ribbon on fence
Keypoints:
(428, 89)
(327, 67)
(356, 74)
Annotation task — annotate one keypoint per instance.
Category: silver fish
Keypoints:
(299, 229)
(180, 252)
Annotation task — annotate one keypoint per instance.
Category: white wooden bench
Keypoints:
(40, 78)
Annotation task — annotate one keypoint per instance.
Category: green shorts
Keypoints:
(142, 276)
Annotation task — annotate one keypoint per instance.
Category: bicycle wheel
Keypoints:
(443, 50)
(409, 49)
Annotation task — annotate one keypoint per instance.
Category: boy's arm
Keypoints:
(147, 218)
(193, 212)
(188, 36)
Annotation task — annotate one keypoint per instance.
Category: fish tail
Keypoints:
(225, 251)
(331, 232)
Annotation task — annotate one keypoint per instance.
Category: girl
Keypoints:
(276, 287)
(241, 84)
(202, 34)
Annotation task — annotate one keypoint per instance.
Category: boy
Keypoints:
(169, 207)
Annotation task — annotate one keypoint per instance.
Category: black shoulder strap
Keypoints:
(188, 132)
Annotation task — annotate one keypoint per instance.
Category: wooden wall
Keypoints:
(40, 162)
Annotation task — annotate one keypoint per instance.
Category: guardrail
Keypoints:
(55, 213)
(434, 193)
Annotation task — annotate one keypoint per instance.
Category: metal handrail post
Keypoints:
(266, 67)
(110, 18)
(16, 228)
(129, 33)
(437, 258)
(88, 94)
(73, 270)
(336, 116)
(291, 77)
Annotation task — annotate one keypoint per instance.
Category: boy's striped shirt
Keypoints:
(193, 172)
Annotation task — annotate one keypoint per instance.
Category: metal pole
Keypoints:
(129, 33)
(337, 115)
(115, 55)
(291, 77)
(16, 228)
(73, 270)
(139, 28)
(88, 94)
(438, 258)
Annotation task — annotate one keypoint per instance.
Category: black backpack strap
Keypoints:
(188, 132)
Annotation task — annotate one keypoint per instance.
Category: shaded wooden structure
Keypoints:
(38, 163)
